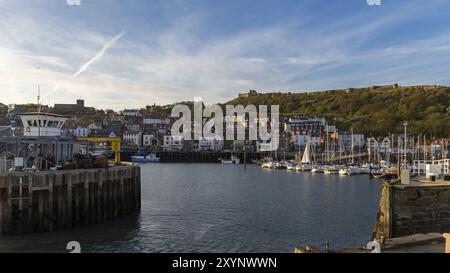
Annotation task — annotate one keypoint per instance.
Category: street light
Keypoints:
(406, 125)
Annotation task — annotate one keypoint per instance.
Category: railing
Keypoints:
(6, 164)
(419, 166)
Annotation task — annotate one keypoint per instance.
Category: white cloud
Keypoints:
(179, 63)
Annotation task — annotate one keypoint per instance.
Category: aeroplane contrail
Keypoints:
(95, 59)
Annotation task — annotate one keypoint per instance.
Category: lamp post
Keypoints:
(405, 156)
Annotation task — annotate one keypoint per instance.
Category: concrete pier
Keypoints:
(55, 200)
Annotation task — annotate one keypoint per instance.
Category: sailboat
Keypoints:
(305, 164)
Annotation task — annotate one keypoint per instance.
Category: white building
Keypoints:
(173, 143)
(346, 140)
(301, 140)
(209, 144)
(148, 140)
(131, 113)
(134, 137)
(156, 121)
(42, 124)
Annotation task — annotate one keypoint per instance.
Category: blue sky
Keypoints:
(117, 53)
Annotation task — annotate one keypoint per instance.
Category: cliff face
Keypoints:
(376, 110)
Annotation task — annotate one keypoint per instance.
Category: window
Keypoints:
(29, 123)
(50, 123)
(35, 123)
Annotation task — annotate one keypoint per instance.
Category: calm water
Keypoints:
(226, 208)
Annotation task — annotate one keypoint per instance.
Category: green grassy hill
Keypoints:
(372, 110)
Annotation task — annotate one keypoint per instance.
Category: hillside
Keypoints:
(372, 110)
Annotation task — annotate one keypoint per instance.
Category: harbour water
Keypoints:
(227, 208)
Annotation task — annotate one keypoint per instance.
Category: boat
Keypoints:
(317, 169)
(267, 165)
(291, 166)
(144, 157)
(376, 173)
(305, 164)
(353, 170)
(331, 170)
(280, 165)
(232, 160)
(344, 171)
(365, 169)
(306, 167)
(151, 158)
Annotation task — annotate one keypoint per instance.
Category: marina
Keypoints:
(227, 208)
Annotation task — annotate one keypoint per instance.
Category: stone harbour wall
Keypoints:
(408, 210)
(55, 200)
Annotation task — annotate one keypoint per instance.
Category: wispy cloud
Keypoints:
(95, 59)
(98, 56)
(183, 53)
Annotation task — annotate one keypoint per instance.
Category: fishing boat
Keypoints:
(144, 157)
(151, 158)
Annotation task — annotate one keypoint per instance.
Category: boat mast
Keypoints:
(424, 147)
(353, 155)
(326, 142)
(39, 108)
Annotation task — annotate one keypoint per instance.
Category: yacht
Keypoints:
(306, 168)
(267, 165)
(305, 164)
(291, 166)
(376, 173)
(331, 170)
(317, 169)
(353, 170)
(344, 171)
(279, 165)
(365, 169)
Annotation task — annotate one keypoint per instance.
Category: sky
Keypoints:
(119, 54)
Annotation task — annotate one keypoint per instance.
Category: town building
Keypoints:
(133, 137)
(209, 144)
(173, 143)
(76, 109)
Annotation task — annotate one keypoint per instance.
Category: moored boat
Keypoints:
(151, 158)
(232, 160)
(331, 170)
(144, 157)
(317, 169)
(291, 166)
